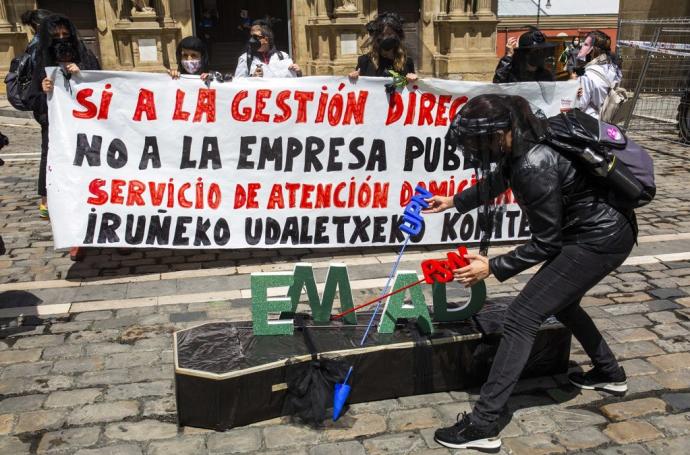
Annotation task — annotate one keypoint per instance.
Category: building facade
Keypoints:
(447, 38)
(456, 39)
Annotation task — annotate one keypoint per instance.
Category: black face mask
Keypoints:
(63, 50)
(536, 58)
(254, 44)
(389, 43)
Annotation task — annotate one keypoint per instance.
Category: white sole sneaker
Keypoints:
(484, 445)
(615, 388)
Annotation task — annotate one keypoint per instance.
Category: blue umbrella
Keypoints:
(342, 390)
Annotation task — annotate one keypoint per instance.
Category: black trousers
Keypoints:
(44, 161)
(556, 290)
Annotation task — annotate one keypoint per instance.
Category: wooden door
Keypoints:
(410, 12)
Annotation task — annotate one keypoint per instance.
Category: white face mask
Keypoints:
(191, 66)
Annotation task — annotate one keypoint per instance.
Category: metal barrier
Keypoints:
(656, 68)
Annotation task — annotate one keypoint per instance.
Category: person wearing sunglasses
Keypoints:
(262, 59)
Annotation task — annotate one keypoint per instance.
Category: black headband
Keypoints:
(481, 126)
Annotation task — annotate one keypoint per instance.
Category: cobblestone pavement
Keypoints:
(86, 349)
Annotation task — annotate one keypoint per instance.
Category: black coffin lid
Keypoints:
(226, 377)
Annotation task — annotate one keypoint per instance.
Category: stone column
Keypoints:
(5, 25)
(322, 9)
(122, 10)
(329, 24)
(163, 10)
(484, 8)
(457, 7)
(466, 40)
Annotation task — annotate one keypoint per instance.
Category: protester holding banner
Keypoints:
(387, 51)
(573, 228)
(192, 58)
(262, 59)
(601, 72)
(58, 45)
(530, 58)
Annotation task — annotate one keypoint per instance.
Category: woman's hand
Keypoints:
(295, 68)
(204, 76)
(47, 85)
(175, 74)
(72, 68)
(353, 75)
(438, 204)
(511, 45)
(579, 92)
(472, 274)
(411, 78)
(258, 72)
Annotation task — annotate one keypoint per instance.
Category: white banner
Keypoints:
(140, 160)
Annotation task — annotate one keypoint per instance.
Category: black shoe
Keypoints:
(467, 435)
(595, 379)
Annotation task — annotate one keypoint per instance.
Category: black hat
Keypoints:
(534, 38)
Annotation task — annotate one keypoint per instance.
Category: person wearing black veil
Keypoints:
(387, 52)
(574, 231)
(529, 58)
(58, 45)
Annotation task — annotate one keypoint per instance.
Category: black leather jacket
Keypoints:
(506, 73)
(562, 203)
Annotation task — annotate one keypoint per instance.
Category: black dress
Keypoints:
(367, 68)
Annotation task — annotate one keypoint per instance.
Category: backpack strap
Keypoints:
(601, 75)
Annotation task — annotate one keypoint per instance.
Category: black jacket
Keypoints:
(367, 68)
(506, 72)
(562, 203)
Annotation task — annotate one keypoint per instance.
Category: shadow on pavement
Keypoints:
(121, 262)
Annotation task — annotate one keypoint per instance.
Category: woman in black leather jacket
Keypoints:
(579, 236)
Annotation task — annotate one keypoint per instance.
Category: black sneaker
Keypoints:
(595, 379)
(467, 435)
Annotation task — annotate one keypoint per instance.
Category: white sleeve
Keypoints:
(588, 92)
(241, 70)
(279, 68)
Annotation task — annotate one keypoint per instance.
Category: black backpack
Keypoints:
(18, 81)
(624, 167)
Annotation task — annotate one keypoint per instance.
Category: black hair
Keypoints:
(45, 39)
(528, 129)
(532, 37)
(490, 115)
(375, 30)
(192, 43)
(602, 42)
(267, 31)
(392, 20)
(371, 28)
(34, 17)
